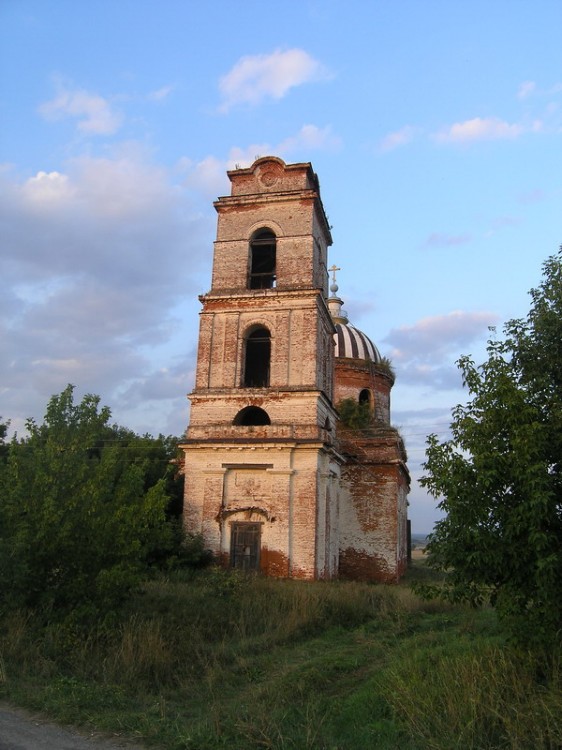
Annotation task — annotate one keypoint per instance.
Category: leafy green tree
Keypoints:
(499, 477)
(82, 509)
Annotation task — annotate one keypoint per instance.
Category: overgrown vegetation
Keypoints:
(210, 659)
(354, 415)
(86, 509)
(499, 478)
(386, 366)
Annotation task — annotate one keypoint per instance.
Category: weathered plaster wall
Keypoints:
(284, 488)
(301, 340)
(373, 532)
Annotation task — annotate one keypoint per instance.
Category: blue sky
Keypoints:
(435, 129)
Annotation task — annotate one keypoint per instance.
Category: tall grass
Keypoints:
(215, 659)
(488, 699)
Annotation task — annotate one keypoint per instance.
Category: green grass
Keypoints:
(215, 660)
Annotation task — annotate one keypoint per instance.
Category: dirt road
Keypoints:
(21, 730)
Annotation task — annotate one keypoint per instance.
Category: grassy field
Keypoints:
(213, 660)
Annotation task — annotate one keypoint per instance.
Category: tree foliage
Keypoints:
(499, 477)
(83, 509)
(354, 415)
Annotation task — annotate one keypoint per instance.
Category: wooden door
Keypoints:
(245, 541)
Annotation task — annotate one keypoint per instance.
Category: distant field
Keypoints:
(418, 545)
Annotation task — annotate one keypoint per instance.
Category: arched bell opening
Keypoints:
(252, 416)
(257, 359)
(262, 266)
(365, 398)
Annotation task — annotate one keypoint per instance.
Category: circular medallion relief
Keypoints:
(269, 176)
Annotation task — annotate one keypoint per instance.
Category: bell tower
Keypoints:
(261, 468)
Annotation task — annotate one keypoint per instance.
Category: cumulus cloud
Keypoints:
(425, 352)
(245, 157)
(257, 77)
(96, 263)
(164, 385)
(310, 137)
(209, 174)
(396, 139)
(95, 114)
(479, 129)
(431, 338)
(47, 189)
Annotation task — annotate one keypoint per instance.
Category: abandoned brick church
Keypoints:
(273, 480)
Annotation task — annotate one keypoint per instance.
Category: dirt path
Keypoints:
(21, 730)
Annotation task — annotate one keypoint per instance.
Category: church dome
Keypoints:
(350, 342)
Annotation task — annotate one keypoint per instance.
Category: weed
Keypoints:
(207, 660)
(483, 698)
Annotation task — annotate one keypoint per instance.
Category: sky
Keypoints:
(434, 126)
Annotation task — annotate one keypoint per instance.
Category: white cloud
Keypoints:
(310, 137)
(94, 113)
(245, 157)
(425, 352)
(209, 174)
(257, 77)
(430, 338)
(95, 264)
(396, 139)
(161, 93)
(45, 190)
(479, 129)
(526, 89)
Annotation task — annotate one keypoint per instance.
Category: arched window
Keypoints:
(257, 358)
(365, 397)
(262, 260)
(251, 415)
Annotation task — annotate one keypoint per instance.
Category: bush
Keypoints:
(82, 513)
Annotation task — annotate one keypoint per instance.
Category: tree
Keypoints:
(499, 477)
(82, 509)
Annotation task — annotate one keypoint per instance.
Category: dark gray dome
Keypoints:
(353, 343)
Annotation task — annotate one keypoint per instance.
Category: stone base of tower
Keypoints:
(265, 506)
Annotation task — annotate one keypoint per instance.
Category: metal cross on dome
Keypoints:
(333, 269)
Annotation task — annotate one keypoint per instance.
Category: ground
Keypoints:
(21, 730)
